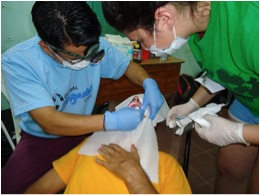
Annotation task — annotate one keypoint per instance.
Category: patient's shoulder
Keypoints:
(172, 179)
(167, 156)
(166, 160)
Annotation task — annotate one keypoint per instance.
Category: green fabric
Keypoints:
(229, 49)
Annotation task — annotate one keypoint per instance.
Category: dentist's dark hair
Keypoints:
(61, 23)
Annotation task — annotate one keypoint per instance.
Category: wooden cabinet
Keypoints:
(165, 73)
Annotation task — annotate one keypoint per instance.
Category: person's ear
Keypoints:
(164, 18)
(45, 48)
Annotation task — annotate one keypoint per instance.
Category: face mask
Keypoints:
(177, 43)
(77, 66)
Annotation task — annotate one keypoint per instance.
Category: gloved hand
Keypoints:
(152, 97)
(222, 132)
(180, 110)
(125, 119)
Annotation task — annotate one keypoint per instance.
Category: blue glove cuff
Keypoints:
(149, 82)
(110, 121)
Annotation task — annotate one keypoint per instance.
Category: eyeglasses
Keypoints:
(90, 54)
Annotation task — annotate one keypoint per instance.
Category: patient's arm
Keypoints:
(49, 183)
(126, 165)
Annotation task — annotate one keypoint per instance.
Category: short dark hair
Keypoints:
(130, 15)
(66, 22)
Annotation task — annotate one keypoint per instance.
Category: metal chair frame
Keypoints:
(15, 119)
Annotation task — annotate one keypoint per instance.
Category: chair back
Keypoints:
(15, 119)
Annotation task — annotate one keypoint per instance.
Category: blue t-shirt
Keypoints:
(35, 80)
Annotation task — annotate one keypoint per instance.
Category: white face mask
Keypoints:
(77, 66)
(177, 43)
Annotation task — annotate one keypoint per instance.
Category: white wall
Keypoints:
(190, 65)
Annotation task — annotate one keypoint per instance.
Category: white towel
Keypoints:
(197, 117)
(143, 137)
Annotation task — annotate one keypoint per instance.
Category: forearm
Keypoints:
(66, 124)
(136, 73)
(50, 183)
(251, 134)
(35, 189)
(138, 183)
(202, 96)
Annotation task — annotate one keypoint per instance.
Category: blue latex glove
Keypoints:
(125, 119)
(152, 97)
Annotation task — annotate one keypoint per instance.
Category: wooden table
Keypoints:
(165, 73)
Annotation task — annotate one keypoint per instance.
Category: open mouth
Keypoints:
(135, 102)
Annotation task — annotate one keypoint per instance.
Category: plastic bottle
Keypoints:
(137, 55)
(130, 52)
(145, 54)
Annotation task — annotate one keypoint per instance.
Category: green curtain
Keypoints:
(106, 28)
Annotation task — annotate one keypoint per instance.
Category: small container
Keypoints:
(137, 55)
(145, 54)
(163, 57)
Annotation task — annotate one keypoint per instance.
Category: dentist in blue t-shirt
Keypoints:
(53, 81)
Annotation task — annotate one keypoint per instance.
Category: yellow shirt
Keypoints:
(83, 176)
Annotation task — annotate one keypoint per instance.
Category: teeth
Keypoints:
(135, 104)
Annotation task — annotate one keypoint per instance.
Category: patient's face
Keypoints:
(135, 102)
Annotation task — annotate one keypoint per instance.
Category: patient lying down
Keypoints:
(114, 170)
